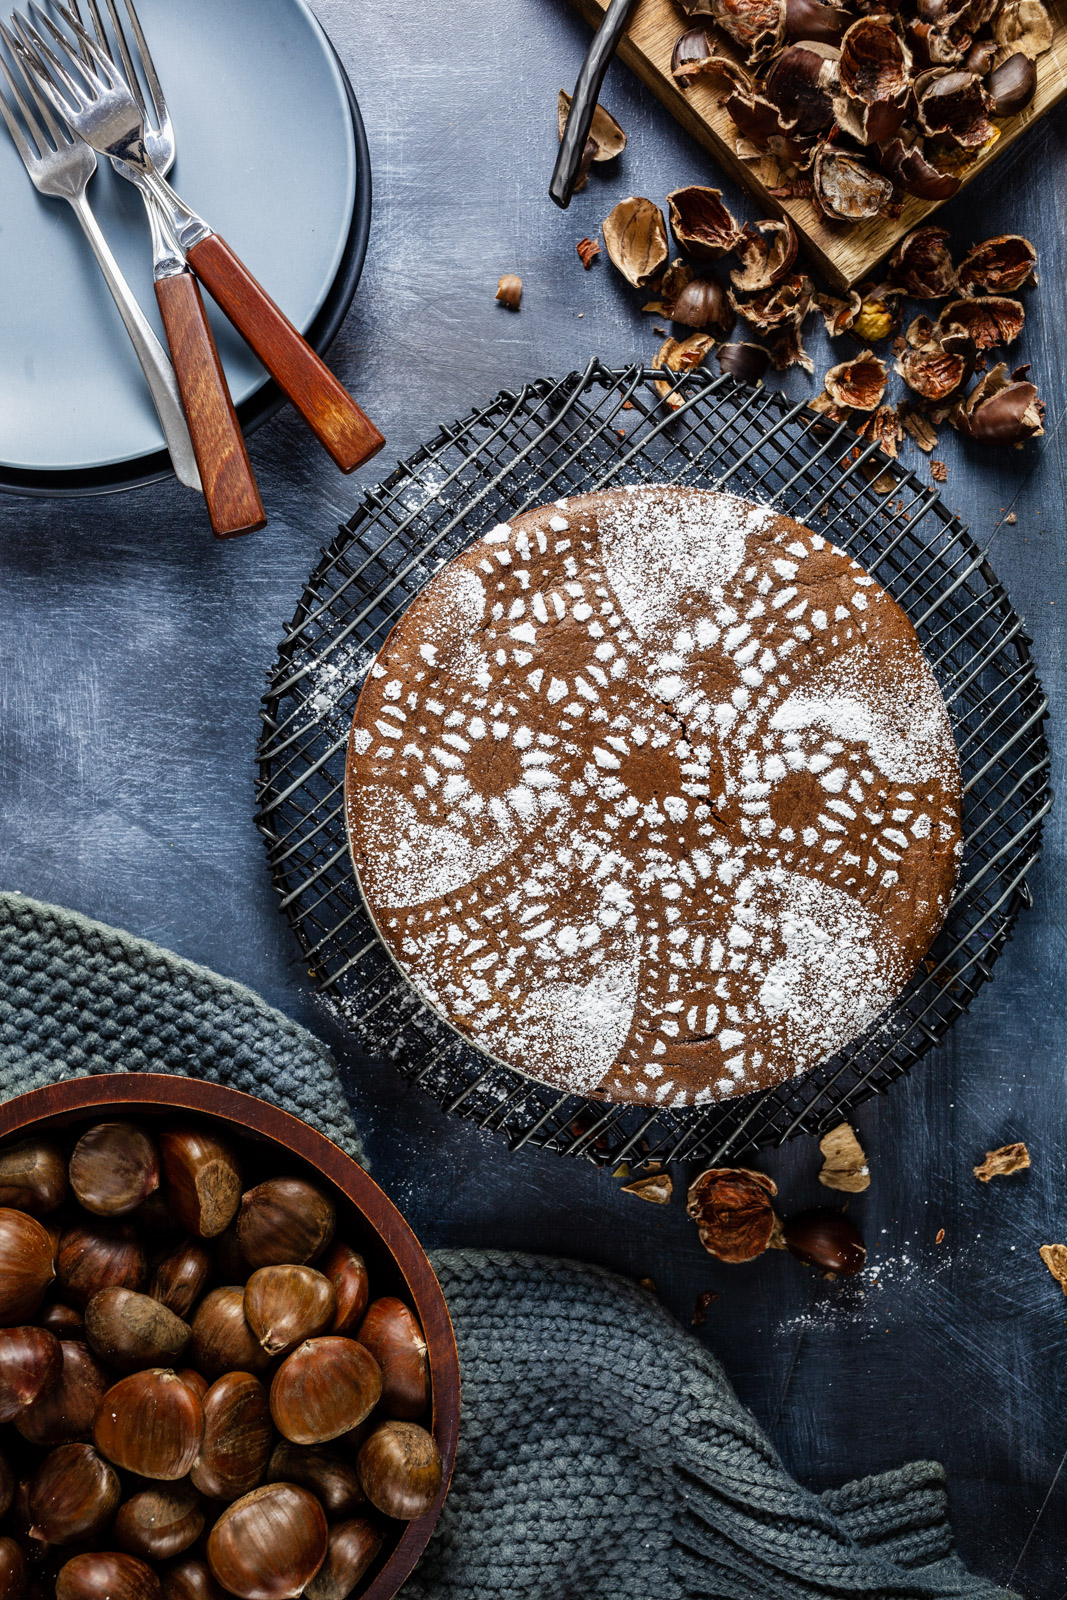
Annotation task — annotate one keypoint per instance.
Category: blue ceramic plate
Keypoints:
(271, 152)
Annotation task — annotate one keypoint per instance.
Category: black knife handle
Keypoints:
(586, 94)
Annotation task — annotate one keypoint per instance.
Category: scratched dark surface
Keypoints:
(132, 657)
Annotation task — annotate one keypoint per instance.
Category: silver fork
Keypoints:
(60, 166)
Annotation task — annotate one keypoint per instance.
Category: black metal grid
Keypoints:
(592, 430)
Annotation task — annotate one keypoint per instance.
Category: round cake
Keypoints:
(652, 793)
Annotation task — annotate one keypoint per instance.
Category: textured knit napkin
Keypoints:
(603, 1454)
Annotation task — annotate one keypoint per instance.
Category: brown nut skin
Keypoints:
(701, 224)
(749, 362)
(907, 167)
(7, 1488)
(732, 1210)
(99, 1255)
(636, 239)
(988, 319)
(33, 1176)
(72, 1495)
(846, 188)
(222, 1340)
(30, 1364)
(284, 1222)
(922, 264)
(159, 1523)
(509, 291)
(332, 1479)
(858, 384)
(826, 1238)
(1001, 411)
(237, 1438)
(195, 1381)
(269, 1544)
(347, 1271)
(400, 1470)
(130, 1330)
(1012, 85)
(65, 1414)
(190, 1579)
(64, 1321)
(202, 1177)
(181, 1277)
(999, 266)
(353, 1546)
(811, 19)
(390, 1331)
(114, 1166)
(105, 1575)
(703, 304)
(324, 1388)
(27, 1266)
(150, 1423)
(767, 252)
(284, 1305)
(14, 1577)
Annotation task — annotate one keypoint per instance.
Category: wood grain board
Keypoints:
(842, 254)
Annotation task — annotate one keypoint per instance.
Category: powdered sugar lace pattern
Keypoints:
(653, 792)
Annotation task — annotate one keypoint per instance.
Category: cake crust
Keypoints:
(652, 793)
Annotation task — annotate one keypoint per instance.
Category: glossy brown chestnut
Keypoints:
(64, 1321)
(748, 362)
(828, 1239)
(114, 1166)
(395, 1340)
(203, 1180)
(14, 1578)
(27, 1265)
(195, 1381)
(284, 1305)
(30, 1364)
(284, 1221)
(400, 1470)
(180, 1278)
(1012, 85)
(332, 1479)
(237, 1438)
(353, 1546)
(105, 1575)
(150, 1423)
(811, 19)
(33, 1176)
(65, 1414)
(222, 1340)
(99, 1255)
(190, 1579)
(157, 1524)
(269, 1544)
(702, 303)
(130, 1330)
(347, 1271)
(72, 1495)
(323, 1389)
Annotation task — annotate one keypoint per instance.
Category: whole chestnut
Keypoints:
(99, 1255)
(237, 1438)
(203, 1180)
(27, 1265)
(131, 1330)
(324, 1388)
(104, 1575)
(702, 303)
(33, 1176)
(30, 1364)
(284, 1222)
(65, 1414)
(179, 1279)
(395, 1340)
(269, 1544)
(195, 1381)
(828, 1239)
(222, 1340)
(160, 1523)
(150, 1423)
(400, 1469)
(114, 1166)
(353, 1546)
(284, 1305)
(190, 1579)
(347, 1271)
(64, 1321)
(1012, 85)
(72, 1495)
(332, 1480)
(14, 1579)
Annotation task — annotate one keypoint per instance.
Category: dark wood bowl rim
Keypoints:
(117, 1090)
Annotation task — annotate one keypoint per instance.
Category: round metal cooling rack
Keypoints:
(593, 430)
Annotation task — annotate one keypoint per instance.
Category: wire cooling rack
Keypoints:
(593, 430)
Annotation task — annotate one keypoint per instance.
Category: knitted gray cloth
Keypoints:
(603, 1452)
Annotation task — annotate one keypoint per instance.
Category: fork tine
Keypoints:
(129, 67)
(60, 136)
(18, 137)
(35, 58)
(91, 51)
(155, 88)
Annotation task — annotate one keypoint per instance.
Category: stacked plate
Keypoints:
(271, 147)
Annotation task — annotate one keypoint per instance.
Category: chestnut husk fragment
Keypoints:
(1012, 85)
(787, 301)
(347, 1271)
(33, 1176)
(801, 81)
(1000, 410)
(748, 362)
(756, 118)
(324, 1388)
(30, 1364)
(874, 72)
(353, 1546)
(222, 1339)
(332, 1479)
(27, 1265)
(883, 425)
(839, 315)
(787, 348)
(999, 266)
(636, 240)
(1023, 26)
(509, 290)
(858, 384)
(284, 1222)
(269, 1544)
(203, 1180)
(827, 1239)
(981, 56)
(113, 1168)
(235, 1448)
(757, 26)
(179, 1279)
(604, 131)
(767, 251)
(160, 1523)
(811, 19)
(696, 54)
(400, 1470)
(150, 1423)
(936, 362)
(703, 304)
(732, 1209)
(72, 1495)
(917, 425)
(701, 224)
(130, 1330)
(106, 1575)
(99, 1255)
(682, 355)
(65, 1414)
(14, 1577)
(922, 266)
(952, 104)
(846, 188)
(907, 166)
(988, 319)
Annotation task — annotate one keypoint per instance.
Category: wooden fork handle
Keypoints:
(348, 434)
(225, 471)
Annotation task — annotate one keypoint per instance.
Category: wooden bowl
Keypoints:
(274, 1144)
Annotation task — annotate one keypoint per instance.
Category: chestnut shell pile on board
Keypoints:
(859, 105)
(198, 1395)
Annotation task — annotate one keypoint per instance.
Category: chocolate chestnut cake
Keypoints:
(652, 792)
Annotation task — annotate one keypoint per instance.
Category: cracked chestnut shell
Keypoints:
(400, 1470)
(353, 1546)
(203, 1180)
(27, 1265)
(757, 26)
(801, 81)
(827, 1239)
(33, 1176)
(998, 266)
(936, 362)
(114, 1166)
(64, 1413)
(701, 224)
(732, 1209)
(1023, 26)
(636, 240)
(846, 188)
(150, 1423)
(1012, 85)
(953, 104)
(858, 384)
(269, 1544)
(237, 1438)
(875, 75)
(284, 1222)
(696, 55)
(749, 362)
(903, 160)
(786, 302)
(394, 1338)
(105, 1575)
(326, 1387)
(922, 265)
(72, 1495)
(811, 19)
(988, 319)
(1000, 410)
(130, 1330)
(767, 251)
(30, 1364)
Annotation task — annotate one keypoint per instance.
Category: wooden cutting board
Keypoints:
(842, 254)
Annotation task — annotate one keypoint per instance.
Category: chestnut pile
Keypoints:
(198, 1396)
